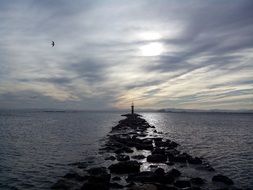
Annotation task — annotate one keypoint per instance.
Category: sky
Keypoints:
(189, 54)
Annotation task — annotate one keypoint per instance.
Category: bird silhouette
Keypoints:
(52, 43)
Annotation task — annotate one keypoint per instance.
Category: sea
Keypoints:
(37, 147)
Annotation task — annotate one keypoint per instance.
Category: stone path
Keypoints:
(138, 158)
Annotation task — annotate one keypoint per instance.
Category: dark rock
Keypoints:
(158, 151)
(223, 179)
(75, 176)
(61, 185)
(98, 175)
(197, 181)
(122, 157)
(174, 173)
(182, 184)
(179, 158)
(125, 167)
(163, 187)
(195, 160)
(157, 158)
(146, 176)
(110, 158)
(95, 186)
(170, 163)
(97, 171)
(116, 178)
(116, 186)
(124, 150)
(159, 172)
(138, 157)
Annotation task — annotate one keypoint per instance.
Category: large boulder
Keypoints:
(223, 179)
(182, 184)
(125, 167)
(197, 181)
(174, 173)
(157, 158)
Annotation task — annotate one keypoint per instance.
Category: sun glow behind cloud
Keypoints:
(152, 49)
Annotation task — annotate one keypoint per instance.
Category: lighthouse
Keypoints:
(132, 108)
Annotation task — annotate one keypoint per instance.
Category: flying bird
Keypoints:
(52, 43)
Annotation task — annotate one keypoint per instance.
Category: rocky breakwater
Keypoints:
(137, 157)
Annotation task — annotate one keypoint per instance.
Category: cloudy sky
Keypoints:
(190, 54)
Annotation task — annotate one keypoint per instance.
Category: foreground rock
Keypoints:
(223, 179)
(125, 167)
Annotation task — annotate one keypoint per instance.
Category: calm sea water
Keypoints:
(36, 148)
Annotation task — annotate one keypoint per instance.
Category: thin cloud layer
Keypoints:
(188, 54)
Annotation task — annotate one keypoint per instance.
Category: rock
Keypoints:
(197, 181)
(182, 184)
(116, 186)
(174, 173)
(124, 150)
(195, 160)
(61, 185)
(163, 187)
(95, 186)
(97, 171)
(98, 175)
(122, 157)
(145, 177)
(143, 187)
(125, 167)
(170, 163)
(116, 178)
(159, 172)
(179, 158)
(157, 158)
(110, 158)
(223, 179)
(158, 151)
(75, 176)
(138, 157)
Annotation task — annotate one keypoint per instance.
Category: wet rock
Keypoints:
(174, 173)
(138, 157)
(116, 178)
(143, 187)
(95, 186)
(116, 186)
(182, 184)
(110, 158)
(62, 185)
(223, 179)
(163, 187)
(98, 176)
(197, 181)
(157, 158)
(170, 163)
(124, 150)
(158, 151)
(122, 157)
(75, 176)
(195, 160)
(146, 176)
(182, 158)
(159, 172)
(125, 167)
